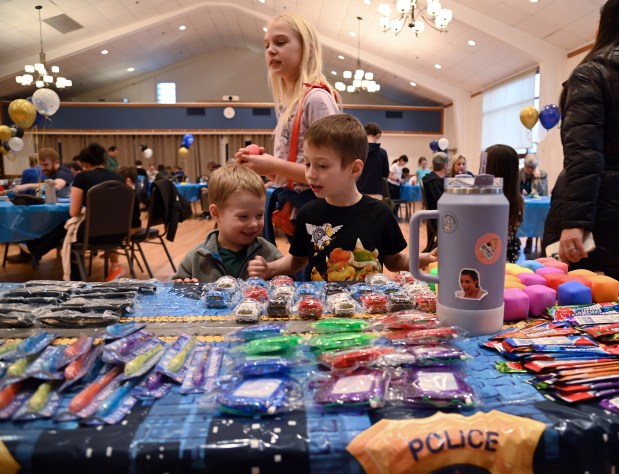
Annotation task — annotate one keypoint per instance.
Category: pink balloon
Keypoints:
(252, 149)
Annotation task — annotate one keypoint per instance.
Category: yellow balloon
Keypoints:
(529, 116)
(22, 112)
(5, 133)
(182, 151)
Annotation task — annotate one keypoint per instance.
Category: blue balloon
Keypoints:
(187, 140)
(434, 146)
(549, 116)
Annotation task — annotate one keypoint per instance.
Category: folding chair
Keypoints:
(109, 208)
(431, 226)
(151, 235)
(396, 204)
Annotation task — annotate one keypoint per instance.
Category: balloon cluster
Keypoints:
(549, 116)
(27, 113)
(146, 152)
(439, 145)
(187, 142)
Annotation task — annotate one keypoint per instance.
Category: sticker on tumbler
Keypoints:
(470, 285)
(449, 223)
(488, 248)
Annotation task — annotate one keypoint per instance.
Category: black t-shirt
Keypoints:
(66, 175)
(87, 179)
(346, 243)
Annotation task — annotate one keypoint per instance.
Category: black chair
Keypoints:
(151, 235)
(395, 203)
(431, 226)
(109, 208)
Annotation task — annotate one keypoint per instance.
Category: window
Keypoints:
(166, 92)
(501, 112)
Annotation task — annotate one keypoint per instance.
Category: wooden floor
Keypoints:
(189, 234)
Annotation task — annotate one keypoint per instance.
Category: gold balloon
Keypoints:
(22, 112)
(5, 133)
(182, 151)
(529, 116)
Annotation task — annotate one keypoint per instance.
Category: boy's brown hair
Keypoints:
(233, 178)
(342, 133)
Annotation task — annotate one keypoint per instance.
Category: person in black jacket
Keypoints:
(433, 187)
(376, 167)
(586, 196)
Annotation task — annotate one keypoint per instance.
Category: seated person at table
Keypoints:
(534, 183)
(237, 197)
(432, 189)
(50, 165)
(422, 169)
(343, 235)
(33, 174)
(458, 166)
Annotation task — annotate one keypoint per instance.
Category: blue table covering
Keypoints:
(190, 191)
(184, 434)
(410, 192)
(535, 213)
(20, 223)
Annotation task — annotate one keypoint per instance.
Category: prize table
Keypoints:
(20, 223)
(535, 213)
(190, 191)
(184, 434)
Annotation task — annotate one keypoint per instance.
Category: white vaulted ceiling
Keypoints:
(510, 36)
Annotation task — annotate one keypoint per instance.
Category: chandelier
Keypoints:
(411, 14)
(38, 73)
(361, 80)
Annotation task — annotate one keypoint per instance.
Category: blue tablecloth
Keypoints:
(20, 223)
(410, 192)
(535, 212)
(190, 191)
(183, 433)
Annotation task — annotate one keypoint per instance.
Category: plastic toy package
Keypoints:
(438, 387)
(121, 349)
(256, 292)
(70, 318)
(173, 362)
(59, 292)
(403, 278)
(145, 287)
(119, 330)
(399, 301)
(279, 307)
(43, 403)
(348, 359)
(341, 304)
(84, 364)
(248, 310)
(81, 405)
(260, 396)
(306, 289)
(377, 279)
(422, 356)
(224, 293)
(15, 316)
(359, 289)
(374, 303)
(259, 331)
(247, 366)
(362, 388)
(425, 336)
(13, 397)
(100, 305)
(145, 358)
(309, 307)
(48, 366)
(281, 280)
(114, 402)
(28, 347)
(405, 320)
(269, 345)
(195, 374)
(340, 340)
(333, 325)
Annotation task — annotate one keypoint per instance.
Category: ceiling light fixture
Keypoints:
(410, 13)
(42, 76)
(362, 80)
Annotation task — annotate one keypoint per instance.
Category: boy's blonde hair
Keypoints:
(310, 69)
(342, 133)
(230, 179)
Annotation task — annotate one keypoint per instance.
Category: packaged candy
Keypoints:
(256, 281)
(259, 331)
(121, 350)
(278, 307)
(399, 301)
(438, 387)
(377, 279)
(283, 291)
(172, 362)
(43, 403)
(406, 320)
(196, 370)
(259, 396)
(256, 292)
(332, 288)
(258, 366)
(81, 366)
(374, 303)
(281, 280)
(332, 325)
(341, 304)
(115, 401)
(248, 311)
(217, 299)
(118, 330)
(360, 388)
(87, 395)
(359, 289)
(424, 336)
(227, 283)
(35, 344)
(403, 278)
(149, 355)
(16, 319)
(422, 356)
(309, 307)
(306, 289)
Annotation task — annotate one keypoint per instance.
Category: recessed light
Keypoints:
(533, 1)
(333, 73)
(262, 1)
(339, 56)
(414, 84)
(182, 27)
(130, 69)
(367, 2)
(352, 33)
(265, 29)
(438, 66)
(104, 51)
(471, 42)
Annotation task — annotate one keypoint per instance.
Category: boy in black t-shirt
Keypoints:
(344, 235)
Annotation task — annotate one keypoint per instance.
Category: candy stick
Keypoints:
(38, 401)
(31, 343)
(8, 347)
(179, 359)
(18, 367)
(7, 394)
(85, 397)
(110, 404)
(138, 362)
(77, 347)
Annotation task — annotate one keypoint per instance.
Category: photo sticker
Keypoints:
(488, 248)
(470, 285)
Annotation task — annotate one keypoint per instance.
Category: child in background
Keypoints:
(503, 162)
(237, 196)
(344, 235)
(294, 59)
(422, 169)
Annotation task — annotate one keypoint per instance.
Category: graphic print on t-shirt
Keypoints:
(321, 235)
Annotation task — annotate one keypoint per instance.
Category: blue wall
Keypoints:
(174, 117)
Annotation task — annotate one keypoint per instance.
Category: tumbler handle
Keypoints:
(414, 245)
